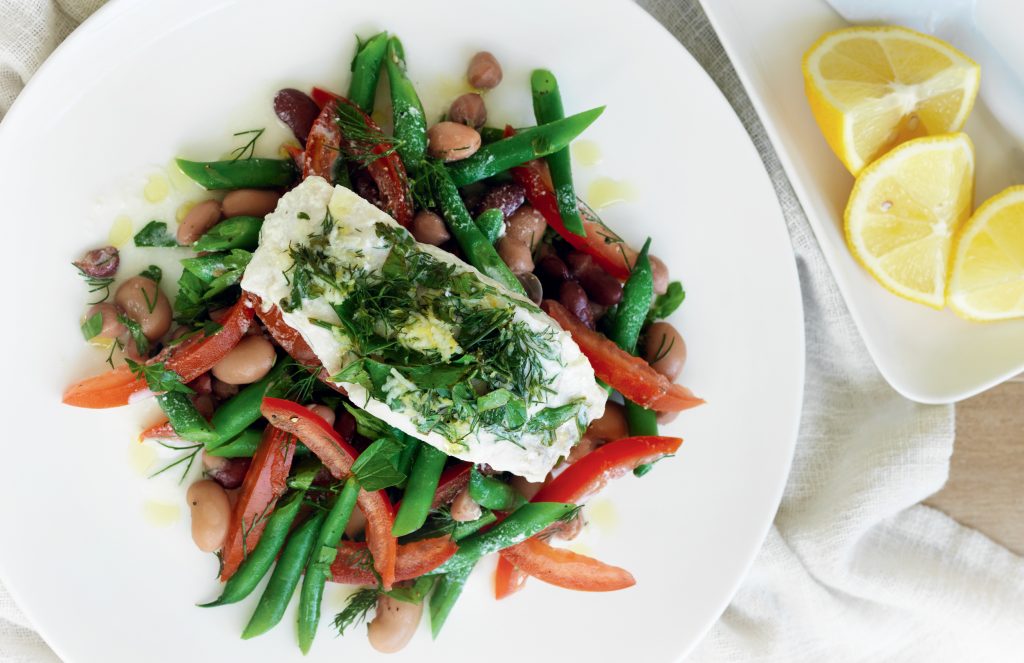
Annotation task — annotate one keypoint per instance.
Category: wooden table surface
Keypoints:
(986, 475)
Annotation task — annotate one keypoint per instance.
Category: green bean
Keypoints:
(526, 145)
(520, 525)
(419, 490)
(406, 457)
(491, 222)
(241, 174)
(547, 107)
(243, 445)
(629, 321)
(185, 418)
(479, 252)
(493, 494)
(463, 530)
(260, 560)
(490, 135)
(366, 71)
(243, 409)
(407, 112)
(318, 569)
(238, 232)
(666, 304)
(285, 577)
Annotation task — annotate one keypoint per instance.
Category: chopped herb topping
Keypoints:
(249, 149)
(92, 326)
(155, 234)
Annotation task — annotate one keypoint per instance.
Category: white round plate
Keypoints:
(100, 558)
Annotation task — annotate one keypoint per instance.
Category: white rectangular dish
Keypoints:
(928, 356)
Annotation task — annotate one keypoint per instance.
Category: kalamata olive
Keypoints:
(527, 225)
(612, 424)
(394, 624)
(142, 300)
(552, 270)
(507, 197)
(363, 185)
(345, 424)
(601, 286)
(429, 228)
(531, 284)
(665, 349)
(198, 221)
(202, 385)
(526, 488)
(247, 362)
(228, 472)
(515, 254)
(582, 448)
(297, 110)
(464, 509)
(223, 390)
(99, 263)
(451, 141)
(204, 405)
(468, 109)
(659, 273)
(573, 297)
(112, 327)
(324, 412)
(484, 72)
(211, 512)
(250, 202)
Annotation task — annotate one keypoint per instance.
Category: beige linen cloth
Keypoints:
(854, 568)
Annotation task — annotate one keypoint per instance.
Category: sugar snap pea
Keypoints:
(240, 174)
(407, 111)
(238, 232)
(366, 71)
(419, 490)
(491, 222)
(547, 107)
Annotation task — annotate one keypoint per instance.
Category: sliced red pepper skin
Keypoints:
(285, 335)
(508, 579)
(323, 145)
(590, 473)
(160, 431)
(337, 455)
(322, 96)
(265, 482)
(412, 561)
(189, 360)
(297, 154)
(631, 376)
(565, 568)
(609, 251)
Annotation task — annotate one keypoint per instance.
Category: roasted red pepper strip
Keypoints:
(387, 170)
(337, 455)
(631, 376)
(608, 249)
(451, 483)
(189, 360)
(285, 335)
(564, 568)
(265, 482)
(160, 431)
(413, 560)
(507, 579)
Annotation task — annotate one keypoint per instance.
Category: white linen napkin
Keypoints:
(853, 568)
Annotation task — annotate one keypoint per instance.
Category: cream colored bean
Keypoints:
(484, 71)
(665, 349)
(526, 488)
(324, 412)
(515, 254)
(659, 272)
(247, 362)
(250, 202)
(526, 225)
(451, 141)
(198, 221)
(211, 512)
(394, 624)
(464, 509)
(582, 448)
(144, 302)
(112, 327)
(469, 109)
(429, 228)
(612, 424)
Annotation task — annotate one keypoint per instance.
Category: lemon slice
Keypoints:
(987, 282)
(904, 211)
(871, 89)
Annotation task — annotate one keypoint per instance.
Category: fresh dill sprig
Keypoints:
(362, 143)
(249, 149)
(96, 284)
(357, 609)
(188, 458)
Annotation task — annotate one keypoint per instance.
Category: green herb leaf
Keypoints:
(92, 326)
(665, 305)
(158, 377)
(155, 234)
(135, 330)
(551, 418)
(356, 610)
(154, 274)
(368, 425)
(492, 493)
(376, 468)
(416, 592)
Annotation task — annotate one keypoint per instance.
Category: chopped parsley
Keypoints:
(155, 234)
